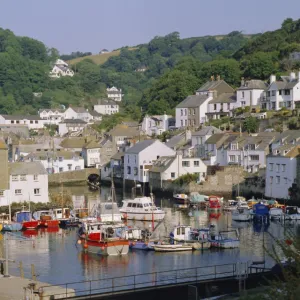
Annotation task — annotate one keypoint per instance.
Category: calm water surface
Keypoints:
(57, 259)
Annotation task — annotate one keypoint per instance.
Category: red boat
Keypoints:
(30, 224)
(24, 218)
(45, 218)
(214, 203)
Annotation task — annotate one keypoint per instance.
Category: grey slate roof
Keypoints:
(208, 130)
(224, 98)
(176, 140)
(28, 117)
(26, 168)
(162, 164)
(79, 109)
(192, 101)
(286, 83)
(139, 147)
(254, 85)
(210, 85)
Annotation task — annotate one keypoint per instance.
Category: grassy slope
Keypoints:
(98, 59)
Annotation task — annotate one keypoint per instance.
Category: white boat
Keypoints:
(231, 205)
(241, 215)
(242, 203)
(172, 248)
(276, 213)
(185, 235)
(292, 213)
(181, 198)
(141, 209)
(226, 240)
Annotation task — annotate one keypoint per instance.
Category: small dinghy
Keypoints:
(172, 248)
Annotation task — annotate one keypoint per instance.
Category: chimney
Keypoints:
(272, 78)
(292, 75)
(242, 81)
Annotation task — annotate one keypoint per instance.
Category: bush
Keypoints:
(186, 179)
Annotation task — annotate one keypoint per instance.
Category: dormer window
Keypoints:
(251, 147)
(233, 146)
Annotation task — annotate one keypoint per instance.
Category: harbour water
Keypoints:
(58, 259)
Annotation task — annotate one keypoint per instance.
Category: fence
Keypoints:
(157, 279)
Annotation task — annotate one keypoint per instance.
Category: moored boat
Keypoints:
(231, 205)
(46, 219)
(181, 198)
(25, 219)
(276, 213)
(292, 213)
(241, 215)
(172, 248)
(198, 200)
(226, 240)
(214, 203)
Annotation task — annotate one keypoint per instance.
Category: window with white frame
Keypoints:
(277, 179)
(254, 157)
(233, 146)
(196, 163)
(36, 177)
(37, 192)
(277, 167)
(1, 193)
(283, 167)
(15, 178)
(18, 192)
(23, 177)
(232, 158)
(185, 163)
(271, 179)
(285, 180)
(271, 165)
(172, 175)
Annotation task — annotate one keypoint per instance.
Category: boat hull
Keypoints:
(139, 245)
(143, 216)
(12, 227)
(292, 217)
(172, 248)
(241, 218)
(225, 244)
(30, 224)
(49, 223)
(107, 248)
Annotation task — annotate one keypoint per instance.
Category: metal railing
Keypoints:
(155, 279)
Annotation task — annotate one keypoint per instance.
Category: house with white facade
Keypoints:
(28, 182)
(283, 93)
(32, 122)
(4, 174)
(56, 161)
(91, 154)
(169, 168)
(221, 106)
(61, 68)
(80, 113)
(156, 125)
(139, 159)
(71, 126)
(107, 107)
(281, 171)
(251, 93)
(114, 94)
(52, 116)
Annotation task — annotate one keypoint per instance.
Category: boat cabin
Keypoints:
(139, 204)
(181, 233)
(61, 213)
(292, 210)
(22, 216)
(260, 209)
(109, 212)
(42, 215)
(4, 218)
(232, 203)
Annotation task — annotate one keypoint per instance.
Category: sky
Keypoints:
(91, 25)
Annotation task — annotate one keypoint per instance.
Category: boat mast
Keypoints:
(112, 196)
(9, 207)
(151, 196)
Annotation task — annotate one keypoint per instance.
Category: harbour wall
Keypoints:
(71, 177)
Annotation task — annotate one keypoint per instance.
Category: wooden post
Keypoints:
(21, 269)
(33, 272)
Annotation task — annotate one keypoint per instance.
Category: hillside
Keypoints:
(98, 59)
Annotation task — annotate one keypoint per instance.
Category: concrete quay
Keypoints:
(17, 288)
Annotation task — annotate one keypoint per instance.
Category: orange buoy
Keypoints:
(79, 242)
(85, 246)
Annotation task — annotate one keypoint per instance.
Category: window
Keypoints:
(15, 177)
(36, 122)
(185, 122)
(190, 122)
(273, 93)
(61, 169)
(215, 106)
(271, 179)
(196, 163)
(185, 163)
(283, 167)
(12, 122)
(243, 94)
(60, 158)
(231, 158)
(277, 167)
(181, 122)
(31, 122)
(77, 168)
(271, 166)
(287, 92)
(254, 157)
(37, 192)
(277, 179)
(189, 112)
(181, 112)
(35, 177)
(18, 192)
(194, 111)
(1, 193)
(69, 167)
(251, 147)
(128, 170)
(233, 146)
(285, 180)
(172, 175)
(185, 112)
(280, 92)
(135, 171)
(228, 106)
(23, 177)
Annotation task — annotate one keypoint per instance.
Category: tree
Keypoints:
(251, 125)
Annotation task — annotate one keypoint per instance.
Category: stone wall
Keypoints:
(72, 177)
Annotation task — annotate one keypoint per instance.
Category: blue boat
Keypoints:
(12, 227)
(260, 212)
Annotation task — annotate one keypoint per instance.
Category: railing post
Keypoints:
(215, 271)
(155, 278)
(112, 284)
(196, 274)
(66, 290)
(134, 282)
(90, 288)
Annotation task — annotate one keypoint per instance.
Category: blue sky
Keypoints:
(91, 25)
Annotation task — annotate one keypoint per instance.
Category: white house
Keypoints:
(71, 126)
(61, 68)
(80, 113)
(91, 154)
(156, 125)
(106, 107)
(32, 122)
(51, 116)
(283, 93)
(138, 159)
(251, 93)
(281, 171)
(28, 181)
(58, 161)
(114, 94)
(168, 168)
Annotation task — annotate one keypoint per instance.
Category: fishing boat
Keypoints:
(172, 248)
(214, 203)
(292, 213)
(109, 212)
(141, 209)
(231, 205)
(64, 216)
(276, 213)
(198, 200)
(25, 219)
(46, 219)
(181, 198)
(251, 202)
(241, 215)
(242, 203)
(260, 212)
(196, 238)
(4, 219)
(228, 239)
(103, 239)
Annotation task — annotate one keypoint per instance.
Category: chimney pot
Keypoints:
(272, 78)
